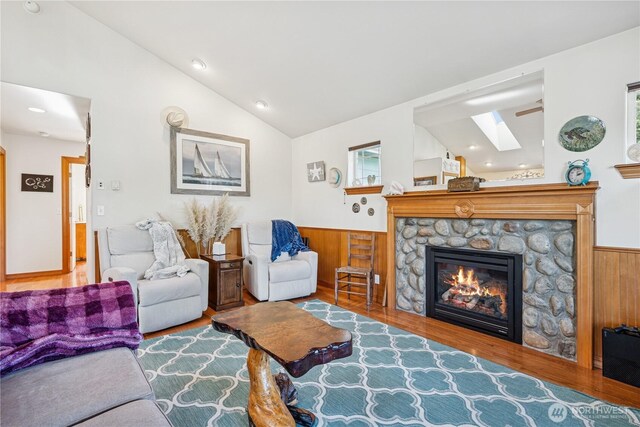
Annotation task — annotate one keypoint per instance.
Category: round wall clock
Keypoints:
(578, 172)
(582, 133)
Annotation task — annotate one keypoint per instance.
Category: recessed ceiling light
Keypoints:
(472, 147)
(262, 105)
(198, 64)
(31, 7)
(43, 134)
(36, 110)
(488, 164)
(522, 165)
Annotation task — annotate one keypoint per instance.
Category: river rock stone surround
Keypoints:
(547, 249)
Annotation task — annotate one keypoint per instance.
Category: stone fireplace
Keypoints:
(546, 230)
(545, 260)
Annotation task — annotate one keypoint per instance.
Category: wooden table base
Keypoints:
(272, 397)
(266, 407)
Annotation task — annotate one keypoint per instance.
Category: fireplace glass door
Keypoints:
(480, 290)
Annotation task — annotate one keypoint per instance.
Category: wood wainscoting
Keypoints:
(232, 242)
(616, 292)
(331, 246)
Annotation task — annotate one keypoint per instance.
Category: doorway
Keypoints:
(74, 234)
(40, 131)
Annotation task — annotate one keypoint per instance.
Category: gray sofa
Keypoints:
(105, 388)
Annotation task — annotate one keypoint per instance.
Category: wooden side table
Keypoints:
(225, 281)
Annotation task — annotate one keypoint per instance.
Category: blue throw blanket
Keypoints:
(285, 237)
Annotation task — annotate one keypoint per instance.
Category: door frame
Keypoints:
(3, 219)
(66, 229)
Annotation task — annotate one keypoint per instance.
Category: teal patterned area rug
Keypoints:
(393, 378)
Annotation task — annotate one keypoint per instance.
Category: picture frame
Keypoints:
(425, 180)
(316, 171)
(36, 183)
(448, 176)
(209, 163)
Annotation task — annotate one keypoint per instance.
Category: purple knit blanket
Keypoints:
(39, 326)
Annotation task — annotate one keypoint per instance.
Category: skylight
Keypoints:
(496, 130)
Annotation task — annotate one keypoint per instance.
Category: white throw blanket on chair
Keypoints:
(167, 250)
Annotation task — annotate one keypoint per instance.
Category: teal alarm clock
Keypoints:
(578, 172)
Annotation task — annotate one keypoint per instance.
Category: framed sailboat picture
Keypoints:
(208, 163)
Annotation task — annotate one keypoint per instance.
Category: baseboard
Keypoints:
(597, 362)
(31, 274)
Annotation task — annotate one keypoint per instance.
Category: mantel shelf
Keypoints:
(630, 170)
(372, 189)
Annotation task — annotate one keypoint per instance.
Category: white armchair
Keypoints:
(126, 252)
(286, 277)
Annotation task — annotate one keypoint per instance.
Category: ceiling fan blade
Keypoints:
(529, 111)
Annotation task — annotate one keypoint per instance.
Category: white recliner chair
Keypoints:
(126, 252)
(286, 277)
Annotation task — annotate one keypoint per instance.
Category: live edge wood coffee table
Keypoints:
(296, 340)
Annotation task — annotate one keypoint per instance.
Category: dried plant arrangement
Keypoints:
(207, 225)
(196, 222)
(227, 215)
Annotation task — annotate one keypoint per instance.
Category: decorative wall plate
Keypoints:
(634, 152)
(582, 133)
(355, 208)
(370, 211)
(363, 200)
(335, 177)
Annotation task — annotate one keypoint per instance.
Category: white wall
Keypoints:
(589, 79)
(427, 146)
(64, 50)
(34, 220)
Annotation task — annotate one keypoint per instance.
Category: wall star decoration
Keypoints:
(315, 172)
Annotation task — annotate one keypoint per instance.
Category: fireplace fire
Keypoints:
(477, 289)
(480, 292)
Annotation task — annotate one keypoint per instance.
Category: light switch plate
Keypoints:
(100, 210)
(376, 279)
(100, 185)
(115, 185)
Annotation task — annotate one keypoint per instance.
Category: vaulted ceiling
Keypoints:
(321, 63)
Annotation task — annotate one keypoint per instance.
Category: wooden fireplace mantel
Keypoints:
(543, 201)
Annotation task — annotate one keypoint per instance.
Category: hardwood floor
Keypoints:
(77, 277)
(514, 356)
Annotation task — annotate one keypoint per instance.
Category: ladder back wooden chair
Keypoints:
(359, 269)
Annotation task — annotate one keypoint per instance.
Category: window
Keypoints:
(633, 108)
(364, 165)
(637, 116)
